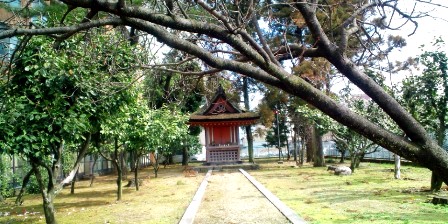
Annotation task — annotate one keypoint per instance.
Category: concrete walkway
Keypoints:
(236, 197)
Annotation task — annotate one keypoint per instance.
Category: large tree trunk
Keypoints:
(436, 180)
(249, 136)
(185, 156)
(117, 160)
(314, 146)
(92, 169)
(137, 162)
(295, 129)
(72, 184)
(319, 157)
(309, 142)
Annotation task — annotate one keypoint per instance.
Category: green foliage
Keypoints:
(322, 122)
(167, 130)
(162, 130)
(426, 95)
(166, 88)
(67, 161)
(42, 108)
(59, 94)
(171, 91)
(348, 140)
(273, 137)
(5, 177)
(56, 96)
(192, 143)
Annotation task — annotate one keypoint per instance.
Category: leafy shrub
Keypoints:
(6, 189)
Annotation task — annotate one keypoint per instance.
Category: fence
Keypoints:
(18, 168)
(329, 147)
(380, 154)
(103, 166)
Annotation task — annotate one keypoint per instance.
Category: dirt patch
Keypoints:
(231, 198)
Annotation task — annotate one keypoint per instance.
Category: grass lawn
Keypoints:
(159, 200)
(370, 195)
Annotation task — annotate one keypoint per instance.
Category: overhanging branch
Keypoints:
(60, 30)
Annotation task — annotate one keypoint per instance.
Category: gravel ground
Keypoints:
(231, 198)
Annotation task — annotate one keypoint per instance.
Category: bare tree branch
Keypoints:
(263, 41)
(201, 73)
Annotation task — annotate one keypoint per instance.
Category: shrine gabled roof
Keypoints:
(219, 104)
(218, 117)
(239, 119)
(222, 111)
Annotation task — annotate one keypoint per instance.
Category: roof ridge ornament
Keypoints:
(219, 104)
(220, 91)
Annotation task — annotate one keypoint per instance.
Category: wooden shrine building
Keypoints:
(221, 121)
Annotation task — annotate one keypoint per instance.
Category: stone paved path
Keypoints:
(231, 198)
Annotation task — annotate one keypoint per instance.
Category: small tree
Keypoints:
(114, 135)
(136, 132)
(44, 113)
(357, 145)
(167, 131)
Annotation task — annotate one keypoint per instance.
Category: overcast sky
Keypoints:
(429, 27)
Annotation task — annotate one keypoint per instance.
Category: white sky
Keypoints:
(429, 28)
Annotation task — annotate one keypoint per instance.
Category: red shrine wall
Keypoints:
(222, 135)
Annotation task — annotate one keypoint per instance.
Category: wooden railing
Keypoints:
(223, 153)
